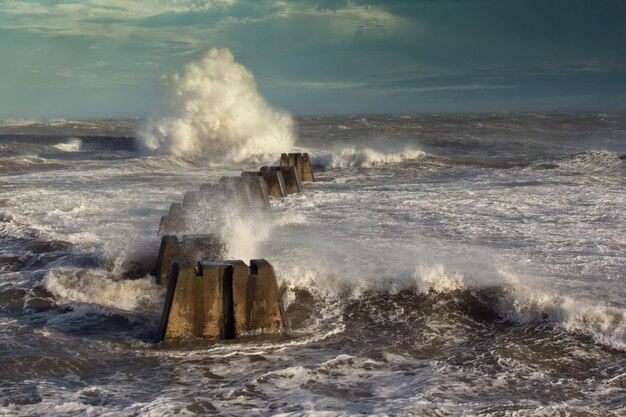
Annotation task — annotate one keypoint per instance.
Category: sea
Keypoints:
(440, 265)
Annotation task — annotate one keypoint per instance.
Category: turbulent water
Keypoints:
(440, 265)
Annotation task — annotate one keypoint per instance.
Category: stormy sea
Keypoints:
(440, 265)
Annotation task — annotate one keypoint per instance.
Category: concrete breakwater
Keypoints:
(207, 296)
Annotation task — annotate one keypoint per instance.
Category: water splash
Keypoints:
(216, 110)
(367, 158)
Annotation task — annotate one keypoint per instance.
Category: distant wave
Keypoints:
(25, 163)
(594, 163)
(366, 157)
(162, 162)
(72, 145)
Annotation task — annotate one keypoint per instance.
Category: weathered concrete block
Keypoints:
(189, 200)
(199, 302)
(175, 210)
(275, 182)
(290, 176)
(258, 189)
(239, 190)
(222, 300)
(302, 162)
(185, 252)
(172, 223)
(209, 188)
(256, 299)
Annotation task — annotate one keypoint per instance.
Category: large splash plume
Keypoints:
(216, 110)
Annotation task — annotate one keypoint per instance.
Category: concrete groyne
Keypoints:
(207, 296)
(301, 162)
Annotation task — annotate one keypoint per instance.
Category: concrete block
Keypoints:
(186, 252)
(256, 299)
(258, 188)
(199, 302)
(222, 300)
(175, 210)
(238, 190)
(189, 200)
(275, 182)
(290, 177)
(209, 188)
(302, 162)
(172, 223)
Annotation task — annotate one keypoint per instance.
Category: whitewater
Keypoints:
(440, 265)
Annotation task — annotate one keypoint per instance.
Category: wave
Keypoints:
(163, 162)
(72, 145)
(594, 163)
(522, 304)
(25, 163)
(18, 122)
(102, 288)
(366, 157)
(216, 110)
(506, 299)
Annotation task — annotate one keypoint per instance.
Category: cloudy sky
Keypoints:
(106, 58)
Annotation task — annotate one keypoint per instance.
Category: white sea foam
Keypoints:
(18, 122)
(366, 157)
(72, 145)
(436, 279)
(216, 110)
(101, 288)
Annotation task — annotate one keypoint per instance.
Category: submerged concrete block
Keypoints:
(199, 302)
(302, 162)
(222, 300)
(275, 182)
(186, 252)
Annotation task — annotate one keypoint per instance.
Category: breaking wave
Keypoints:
(101, 288)
(522, 304)
(72, 145)
(353, 157)
(216, 110)
(507, 299)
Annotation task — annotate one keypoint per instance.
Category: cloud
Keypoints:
(65, 72)
(314, 85)
(121, 18)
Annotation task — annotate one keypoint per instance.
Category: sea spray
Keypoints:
(365, 157)
(102, 288)
(216, 110)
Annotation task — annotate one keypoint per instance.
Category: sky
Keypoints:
(108, 58)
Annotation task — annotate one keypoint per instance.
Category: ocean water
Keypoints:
(440, 265)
